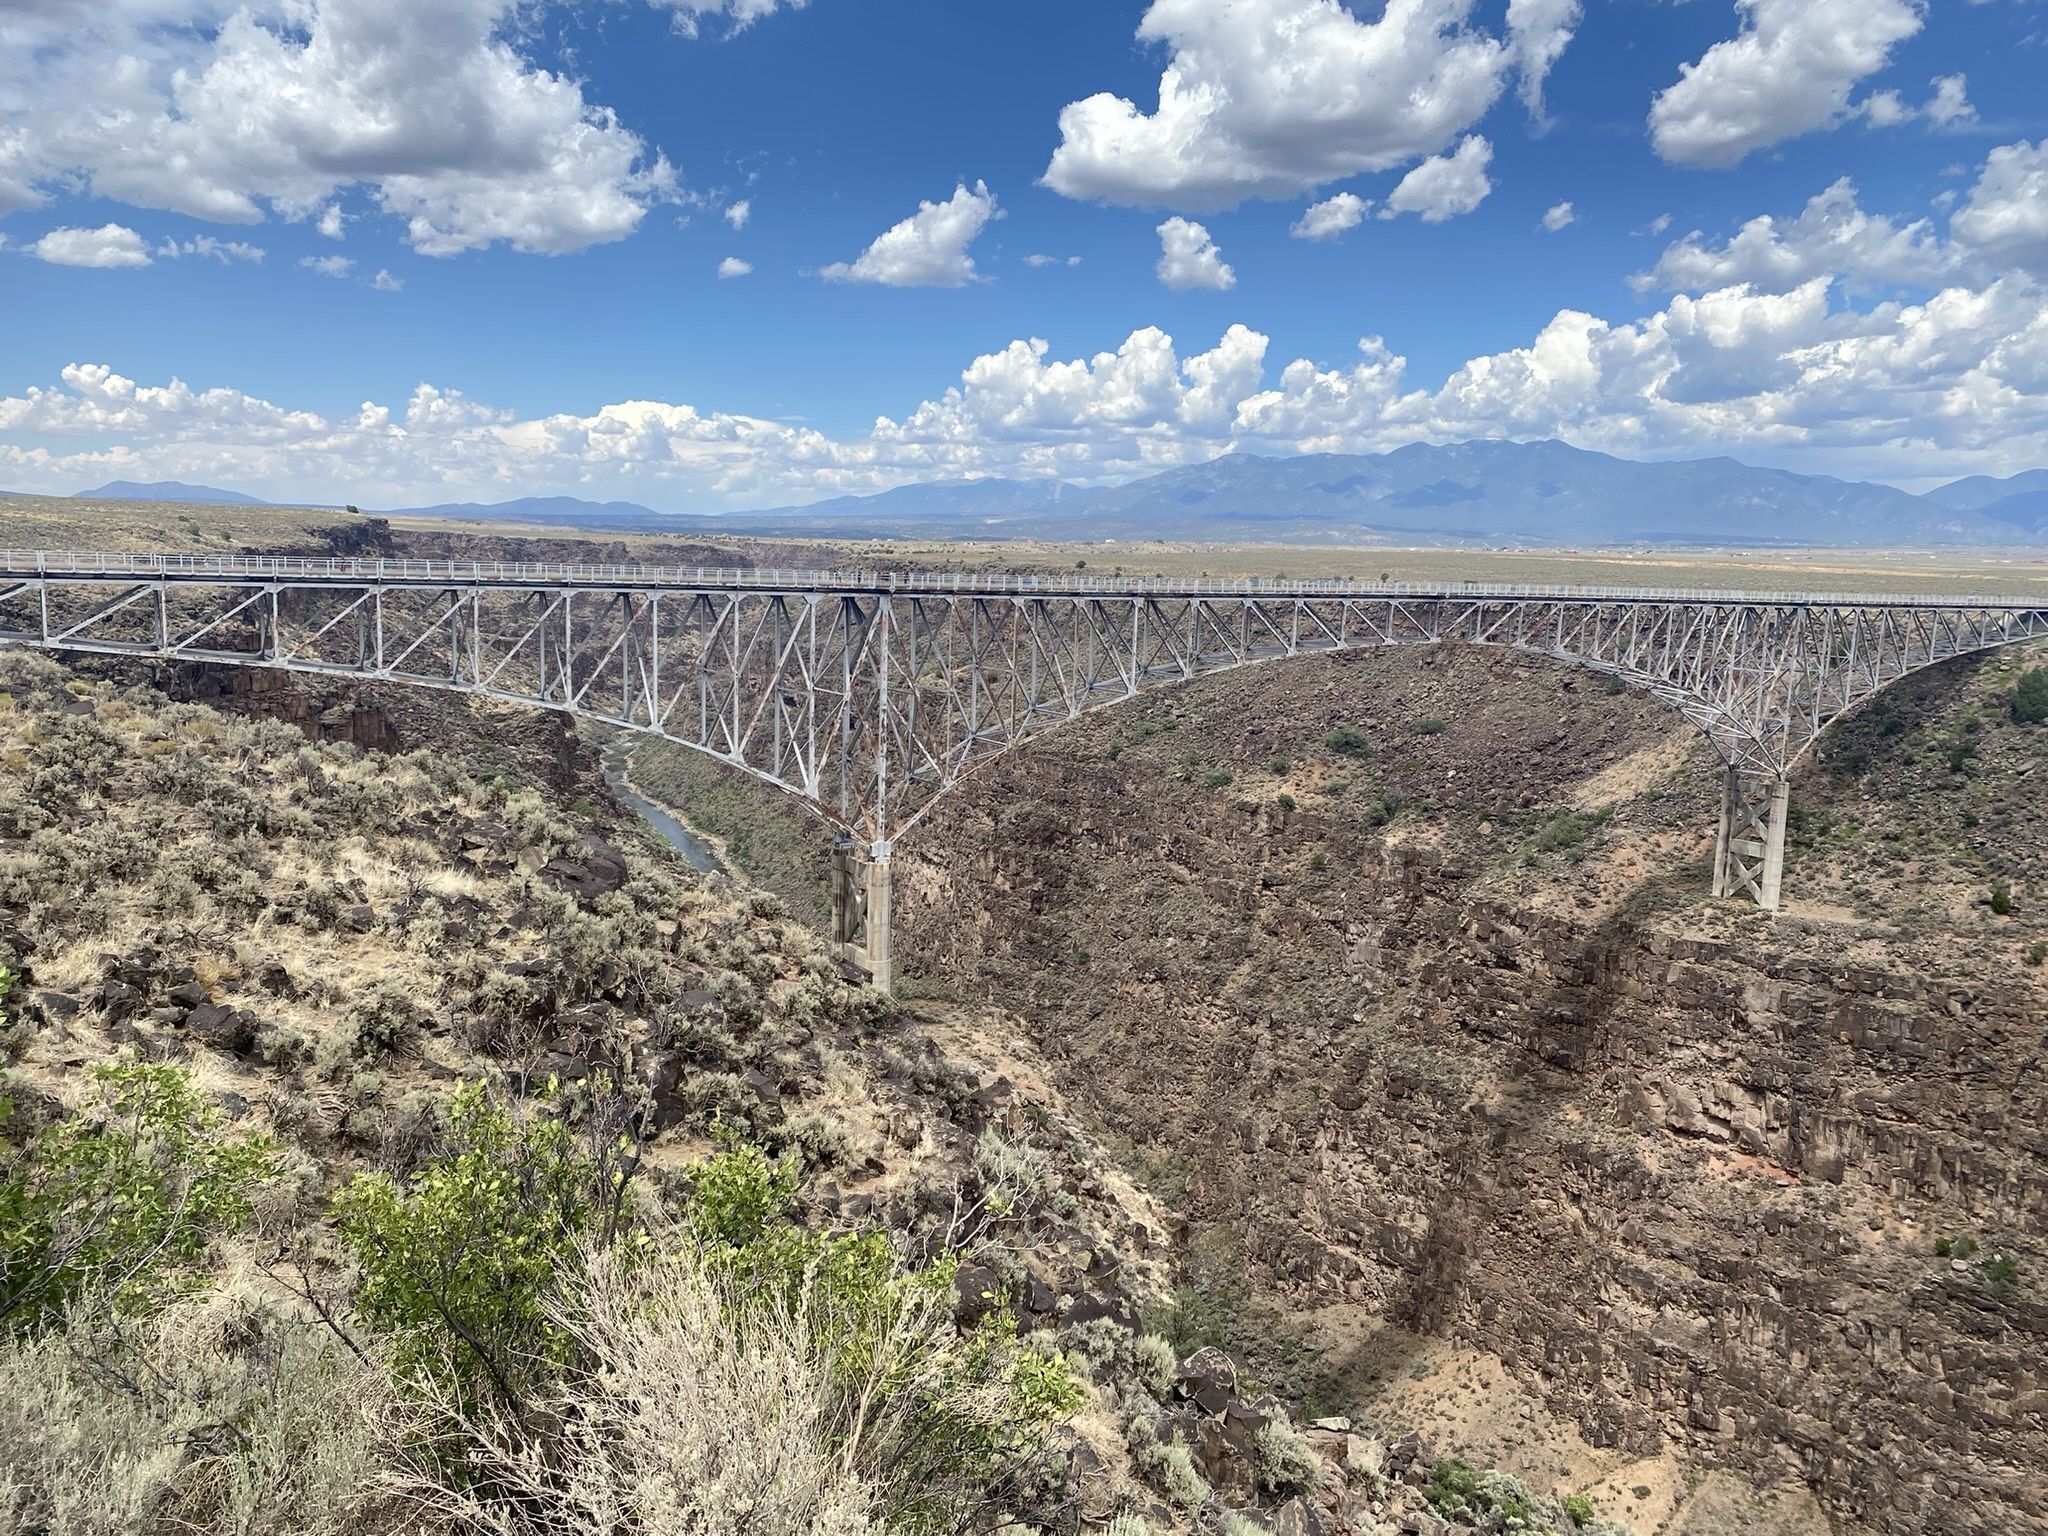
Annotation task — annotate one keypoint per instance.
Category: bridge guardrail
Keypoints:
(242, 568)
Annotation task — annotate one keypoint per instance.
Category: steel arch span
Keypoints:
(869, 694)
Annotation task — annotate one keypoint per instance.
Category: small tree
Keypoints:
(459, 1264)
(2030, 697)
(113, 1201)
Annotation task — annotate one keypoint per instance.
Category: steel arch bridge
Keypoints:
(868, 694)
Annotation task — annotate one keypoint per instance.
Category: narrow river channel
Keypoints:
(615, 759)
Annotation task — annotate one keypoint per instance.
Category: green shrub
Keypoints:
(2030, 696)
(2037, 952)
(1580, 1507)
(1284, 800)
(1566, 830)
(2001, 900)
(113, 1202)
(2002, 1270)
(1428, 725)
(1279, 765)
(1217, 778)
(1286, 1465)
(1348, 741)
(459, 1263)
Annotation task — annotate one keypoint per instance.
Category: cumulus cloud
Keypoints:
(227, 112)
(111, 245)
(328, 266)
(737, 15)
(1040, 259)
(1559, 216)
(2006, 214)
(384, 282)
(928, 249)
(1538, 31)
(1188, 258)
(1948, 107)
(1831, 236)
(733, 266)
(1273, 98)
(222, 251)
(1331, 217)
(1789, 71)
(1795, 376)
(332, 222)
(1444, 186)
(737, 214)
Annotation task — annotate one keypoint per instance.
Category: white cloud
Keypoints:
(332, 222)
(222, 251)
(738, 15)
(1040, 259)
(2006, 217)
(1788, 71)
(1444, 186)
(737, 214)
(1188, 258)
(226, 112)
(328, 266)
(1272, 98)
(111, 245)
(384, 282)
(1559, 216)
(1832, 236)
(1331, 217)
(733, 266)
(928, 249)
(1948, 107)
(1953, 385)
(1538, 31)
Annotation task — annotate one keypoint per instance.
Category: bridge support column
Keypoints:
(860, 910)
(1749, 848)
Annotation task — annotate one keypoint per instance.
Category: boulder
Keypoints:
(223, 1028)
(56, 1007)
(118, 999)
(1206, 1378)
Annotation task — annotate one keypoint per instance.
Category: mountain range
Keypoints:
(1475, 493)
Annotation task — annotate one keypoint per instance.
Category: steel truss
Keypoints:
(868, 696)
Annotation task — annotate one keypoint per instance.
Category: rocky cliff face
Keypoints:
(1439, 1022)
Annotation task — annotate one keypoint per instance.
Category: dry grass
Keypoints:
(63, 522)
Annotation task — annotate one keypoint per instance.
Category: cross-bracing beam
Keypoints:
(868, 695)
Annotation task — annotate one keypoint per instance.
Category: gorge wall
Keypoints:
(1437, 1022)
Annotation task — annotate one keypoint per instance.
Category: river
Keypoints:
(615, 758)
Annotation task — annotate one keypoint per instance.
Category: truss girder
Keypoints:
(869, 703)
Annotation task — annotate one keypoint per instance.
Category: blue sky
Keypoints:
(525, 208)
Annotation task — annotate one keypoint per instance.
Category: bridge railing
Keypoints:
(261, 568)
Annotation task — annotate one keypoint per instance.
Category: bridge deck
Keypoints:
(299, 570)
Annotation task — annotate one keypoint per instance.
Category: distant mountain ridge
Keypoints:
(1468, 493)
(1474, 493)
(170, 490)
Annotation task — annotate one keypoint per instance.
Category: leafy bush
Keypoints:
(2030, 696)
(458, 1264)
(1566, 830)
(111, 1203)
(1428, 725)
(1348, 741)
(1580, 1507)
